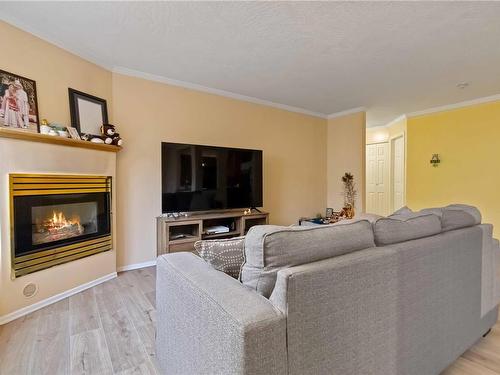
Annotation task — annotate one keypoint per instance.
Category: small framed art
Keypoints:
(88, 112)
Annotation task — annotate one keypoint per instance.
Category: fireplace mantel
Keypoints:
(36, 137)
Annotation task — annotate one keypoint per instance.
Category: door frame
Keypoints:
(392, 140)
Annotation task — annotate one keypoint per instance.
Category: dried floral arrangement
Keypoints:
(350, 192)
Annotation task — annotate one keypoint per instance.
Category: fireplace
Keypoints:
(58, 218)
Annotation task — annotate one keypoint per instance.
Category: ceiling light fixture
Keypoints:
(462, 85)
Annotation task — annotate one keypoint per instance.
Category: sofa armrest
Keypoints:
(209, 323)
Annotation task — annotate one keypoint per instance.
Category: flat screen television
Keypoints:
(202, 178)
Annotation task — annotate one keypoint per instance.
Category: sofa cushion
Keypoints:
(456, 216)
(405, 227)
(270, 248)
(226, 255)
(403, 211)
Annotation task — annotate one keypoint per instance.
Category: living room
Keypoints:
(403, 97)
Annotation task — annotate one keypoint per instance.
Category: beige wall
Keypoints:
(148, 113)
(53, 69)
(346, 153)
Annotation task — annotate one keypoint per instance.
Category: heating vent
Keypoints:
(30, 290)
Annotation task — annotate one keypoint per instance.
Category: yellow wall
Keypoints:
(148, 113)
(468, 142)
(346, 153)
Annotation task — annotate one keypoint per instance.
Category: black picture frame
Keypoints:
(6, 77)
(74, 96)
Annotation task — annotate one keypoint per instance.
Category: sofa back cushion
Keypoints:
(409, 308)
(405, 227)
(269, 248)
(456, 216)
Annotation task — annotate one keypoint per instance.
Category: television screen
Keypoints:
(200, 178)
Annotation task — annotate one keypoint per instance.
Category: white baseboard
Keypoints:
(135, 266)
(38, 305)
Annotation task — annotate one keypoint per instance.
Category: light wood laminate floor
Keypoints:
(109, 329)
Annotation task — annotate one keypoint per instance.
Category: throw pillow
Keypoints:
(405, 227)
(456, 216)
(226, 255)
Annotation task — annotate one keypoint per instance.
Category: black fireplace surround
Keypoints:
(57, 219)
(43, 222)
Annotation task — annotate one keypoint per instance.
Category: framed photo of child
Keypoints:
(18, 103)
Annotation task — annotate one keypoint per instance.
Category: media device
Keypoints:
(217, 229)
(201, 178)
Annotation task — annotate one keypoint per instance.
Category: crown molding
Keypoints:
(227, 94)
(152, 77)
(346, 112)
(450, 107)
(390, 123)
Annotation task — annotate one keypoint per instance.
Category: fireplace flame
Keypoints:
(59, 221)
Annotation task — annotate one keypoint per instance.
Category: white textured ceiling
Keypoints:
(324, 57)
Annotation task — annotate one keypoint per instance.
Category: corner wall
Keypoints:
(382, 134)
(147, 113)
(346, 139)
(468, 142)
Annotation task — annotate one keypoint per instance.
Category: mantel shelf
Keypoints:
(36, 137)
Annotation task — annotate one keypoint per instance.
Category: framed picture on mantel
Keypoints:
(18, 103)
(88, 112)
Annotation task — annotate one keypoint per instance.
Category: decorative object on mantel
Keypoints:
(110, 135)
(60, 130)
(44, 127)
(54, 129)
(88, 112)
(18, 103)
(350, 194)
(73, 133)
(92, 138)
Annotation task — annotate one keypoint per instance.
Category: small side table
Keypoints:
(308, 221)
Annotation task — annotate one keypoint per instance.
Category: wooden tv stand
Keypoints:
(180, 233)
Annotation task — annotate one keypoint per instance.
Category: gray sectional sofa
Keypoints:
(404, 295)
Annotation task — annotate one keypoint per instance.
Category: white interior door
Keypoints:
(377, 178)
(398, 173)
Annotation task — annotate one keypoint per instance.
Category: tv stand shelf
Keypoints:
(180, 233)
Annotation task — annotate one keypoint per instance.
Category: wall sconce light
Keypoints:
(435, 160)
